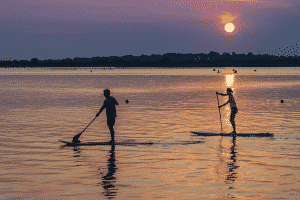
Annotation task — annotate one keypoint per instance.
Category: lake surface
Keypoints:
(42, 106)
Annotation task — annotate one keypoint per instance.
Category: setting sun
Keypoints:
(229, 27)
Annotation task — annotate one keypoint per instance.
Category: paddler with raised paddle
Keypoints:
(234, 109)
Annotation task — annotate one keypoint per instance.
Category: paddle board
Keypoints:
(235, 135)
(129, 143)
(104, 143)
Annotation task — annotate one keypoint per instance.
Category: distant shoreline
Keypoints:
(169, 60)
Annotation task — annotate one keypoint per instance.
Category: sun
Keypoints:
(229, 27)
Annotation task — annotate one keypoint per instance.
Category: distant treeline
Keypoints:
(212, 59)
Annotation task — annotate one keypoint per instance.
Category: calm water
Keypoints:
(40, 106)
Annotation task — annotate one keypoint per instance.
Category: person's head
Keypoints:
(106, 93)
(229, 91)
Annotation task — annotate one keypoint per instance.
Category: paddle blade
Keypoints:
(76, 137)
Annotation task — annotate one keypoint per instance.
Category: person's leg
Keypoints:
(232, 116)
(112, 133)
(110, 124)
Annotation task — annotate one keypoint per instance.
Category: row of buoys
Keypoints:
(232, 70)
(219, 70)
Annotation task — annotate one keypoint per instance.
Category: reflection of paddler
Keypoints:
(234, 109)
(108, 181)
(231, 177)
(110, 105)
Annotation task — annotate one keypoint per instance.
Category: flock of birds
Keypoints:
(286, 51)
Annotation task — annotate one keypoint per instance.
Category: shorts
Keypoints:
(111, 121)
(234, 110)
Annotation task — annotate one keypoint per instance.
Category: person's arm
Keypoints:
(224, 104)
(221, 94)
(101, 109)
(116, 102)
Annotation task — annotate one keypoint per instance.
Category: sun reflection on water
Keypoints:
(230, 84)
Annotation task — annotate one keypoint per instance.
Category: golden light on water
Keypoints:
(229, 80)
(229, 83)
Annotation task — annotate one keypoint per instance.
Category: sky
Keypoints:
(58, 29)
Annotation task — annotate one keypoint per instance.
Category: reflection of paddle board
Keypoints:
(104, 143)
(235, 135)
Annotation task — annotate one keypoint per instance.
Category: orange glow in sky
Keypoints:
(226, 21)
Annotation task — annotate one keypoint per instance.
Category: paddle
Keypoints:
(76, 137)
(219, 112)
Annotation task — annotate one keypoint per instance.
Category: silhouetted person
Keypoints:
(111, 114)
(234, 109)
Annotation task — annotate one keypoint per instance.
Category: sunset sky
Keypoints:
(87, 28)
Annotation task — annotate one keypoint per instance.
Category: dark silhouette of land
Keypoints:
(213, 59)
